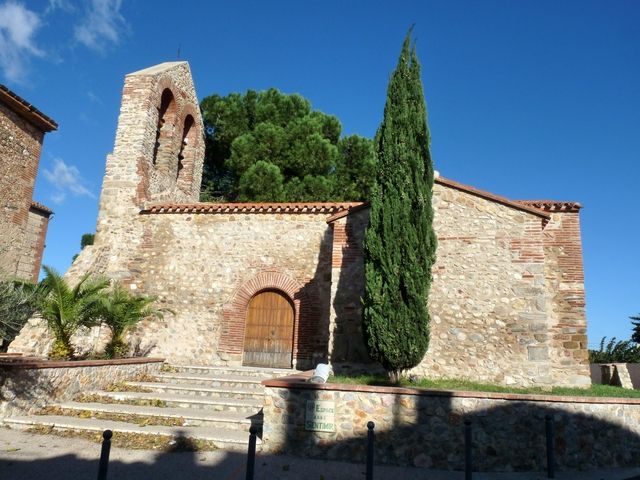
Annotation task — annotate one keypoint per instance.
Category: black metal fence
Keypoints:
(253, 434)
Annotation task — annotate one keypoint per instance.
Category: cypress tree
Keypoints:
(400, 243)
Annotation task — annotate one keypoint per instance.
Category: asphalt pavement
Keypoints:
(26, 456)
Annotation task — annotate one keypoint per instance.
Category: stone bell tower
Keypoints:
(157, 157)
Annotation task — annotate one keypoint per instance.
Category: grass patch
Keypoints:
(140, 420)
(468, 385)
(125, 387)
(93, 398)
(134, 441)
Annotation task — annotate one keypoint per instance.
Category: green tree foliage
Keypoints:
(86, 240)
(121, 311)
(269, 146)
(623, 351)
(18, 302)
(635, 321)
(400, 242)
(66, 309)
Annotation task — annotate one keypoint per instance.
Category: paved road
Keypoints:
(25, 456)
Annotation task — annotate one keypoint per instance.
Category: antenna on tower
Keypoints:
(179, 45)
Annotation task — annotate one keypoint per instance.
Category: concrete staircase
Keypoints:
(208, 407)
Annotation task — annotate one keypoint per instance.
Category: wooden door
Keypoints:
(268, 338)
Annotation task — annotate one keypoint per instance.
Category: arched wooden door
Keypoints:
(268, 338)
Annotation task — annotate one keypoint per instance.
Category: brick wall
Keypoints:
(20, 146)
(33, 244)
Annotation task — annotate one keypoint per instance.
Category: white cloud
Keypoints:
(102, 25)
(64, 5)
(18, 27)
(58, 197)
(66, 179)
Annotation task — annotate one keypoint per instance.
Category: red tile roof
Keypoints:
(552, 205)
(41, 207)
(338, 210)
(26, 110)
(266, 207)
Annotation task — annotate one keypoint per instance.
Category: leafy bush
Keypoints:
(18, 301)
(120, 311)
(623, 351)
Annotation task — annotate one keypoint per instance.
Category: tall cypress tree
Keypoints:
(400, 243)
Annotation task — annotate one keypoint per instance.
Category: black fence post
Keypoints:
(251, 456)
(104, 454)
(370, 427)
(468, 458)
(550, 434)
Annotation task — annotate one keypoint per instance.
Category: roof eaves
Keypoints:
(26, 110)
(492, 197)
(42, 208)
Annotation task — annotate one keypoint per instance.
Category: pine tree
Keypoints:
(400, 242)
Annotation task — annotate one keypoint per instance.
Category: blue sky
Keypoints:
(528, 99)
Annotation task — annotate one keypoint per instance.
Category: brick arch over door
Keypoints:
(305, 306)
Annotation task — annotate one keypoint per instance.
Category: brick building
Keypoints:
(279, 284)
(23, 222)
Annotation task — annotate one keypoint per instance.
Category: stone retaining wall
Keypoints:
(27, 384)
(425, 428)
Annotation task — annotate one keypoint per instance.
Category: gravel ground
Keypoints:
(25, 456)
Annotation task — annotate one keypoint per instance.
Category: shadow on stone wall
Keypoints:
(315, 304)
(508, 437)
(348, 351)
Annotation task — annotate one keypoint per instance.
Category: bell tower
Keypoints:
(159, 147)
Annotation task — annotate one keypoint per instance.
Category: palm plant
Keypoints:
(18, 302)
(120, 311)
(67, 309)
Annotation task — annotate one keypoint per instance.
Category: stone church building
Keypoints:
(279, 284)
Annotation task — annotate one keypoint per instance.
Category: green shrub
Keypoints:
(623, 351)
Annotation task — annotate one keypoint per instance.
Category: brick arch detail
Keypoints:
(234, 313)
(185, 178)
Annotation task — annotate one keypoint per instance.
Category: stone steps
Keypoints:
(212, 380)
(237, 370)
(197, 390)
(189, 416)
(214, 406)
(216, 437)
(250, 405)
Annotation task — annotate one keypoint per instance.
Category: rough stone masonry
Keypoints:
(507, 301)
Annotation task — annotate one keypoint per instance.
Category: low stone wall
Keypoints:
(625, 375)
(29, 384)
(426, 428)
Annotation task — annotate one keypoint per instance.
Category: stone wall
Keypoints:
(20, 146)
(238, 256)
(28, 385)
(426, 428)
(33, 245)
(500, 300)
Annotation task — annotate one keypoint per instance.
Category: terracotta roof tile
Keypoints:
(41, 207)
(266, 207)
(552, 205)
(25, 109)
